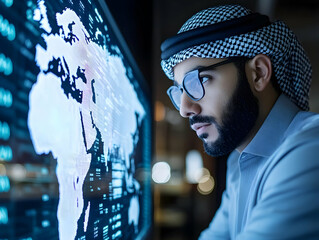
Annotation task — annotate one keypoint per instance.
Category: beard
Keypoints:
(237, 120)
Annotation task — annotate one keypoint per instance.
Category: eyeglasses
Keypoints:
(193, 84)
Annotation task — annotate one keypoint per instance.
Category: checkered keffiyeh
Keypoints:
(291, 65)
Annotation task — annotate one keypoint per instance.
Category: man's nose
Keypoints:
(188, 106)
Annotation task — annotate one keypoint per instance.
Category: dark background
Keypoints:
(181, 212)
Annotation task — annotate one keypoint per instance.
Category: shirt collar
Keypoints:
(272, 131)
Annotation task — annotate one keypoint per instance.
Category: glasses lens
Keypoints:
(193, 86)
(175, 95)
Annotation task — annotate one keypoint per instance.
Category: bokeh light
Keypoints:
(161, 172)
(194, 166)
(3, 170)
(206, 185)
(159, 111)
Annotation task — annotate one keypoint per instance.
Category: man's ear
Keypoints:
(259, 71)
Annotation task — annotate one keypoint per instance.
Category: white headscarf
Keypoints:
(291, 65)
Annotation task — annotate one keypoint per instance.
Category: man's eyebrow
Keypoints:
(196, 68)
(199, 67)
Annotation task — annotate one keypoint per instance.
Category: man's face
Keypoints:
(226, 114)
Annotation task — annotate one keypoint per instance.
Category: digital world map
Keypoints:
(85, 111)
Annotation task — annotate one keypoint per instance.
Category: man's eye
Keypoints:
(205, 78)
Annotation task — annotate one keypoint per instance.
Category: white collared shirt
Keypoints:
(272, 187)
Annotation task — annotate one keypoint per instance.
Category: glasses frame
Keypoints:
(210, 67)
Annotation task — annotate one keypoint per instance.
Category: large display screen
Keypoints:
(75, 125)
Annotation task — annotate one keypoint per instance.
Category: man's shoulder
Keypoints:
(297, 158)
(287, 188)
(302, 134)
(301, 122)
(302, 131)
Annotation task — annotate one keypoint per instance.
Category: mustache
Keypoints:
(202, 119)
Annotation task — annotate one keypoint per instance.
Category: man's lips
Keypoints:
(200, 128)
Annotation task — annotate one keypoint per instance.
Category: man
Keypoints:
(244, 82)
